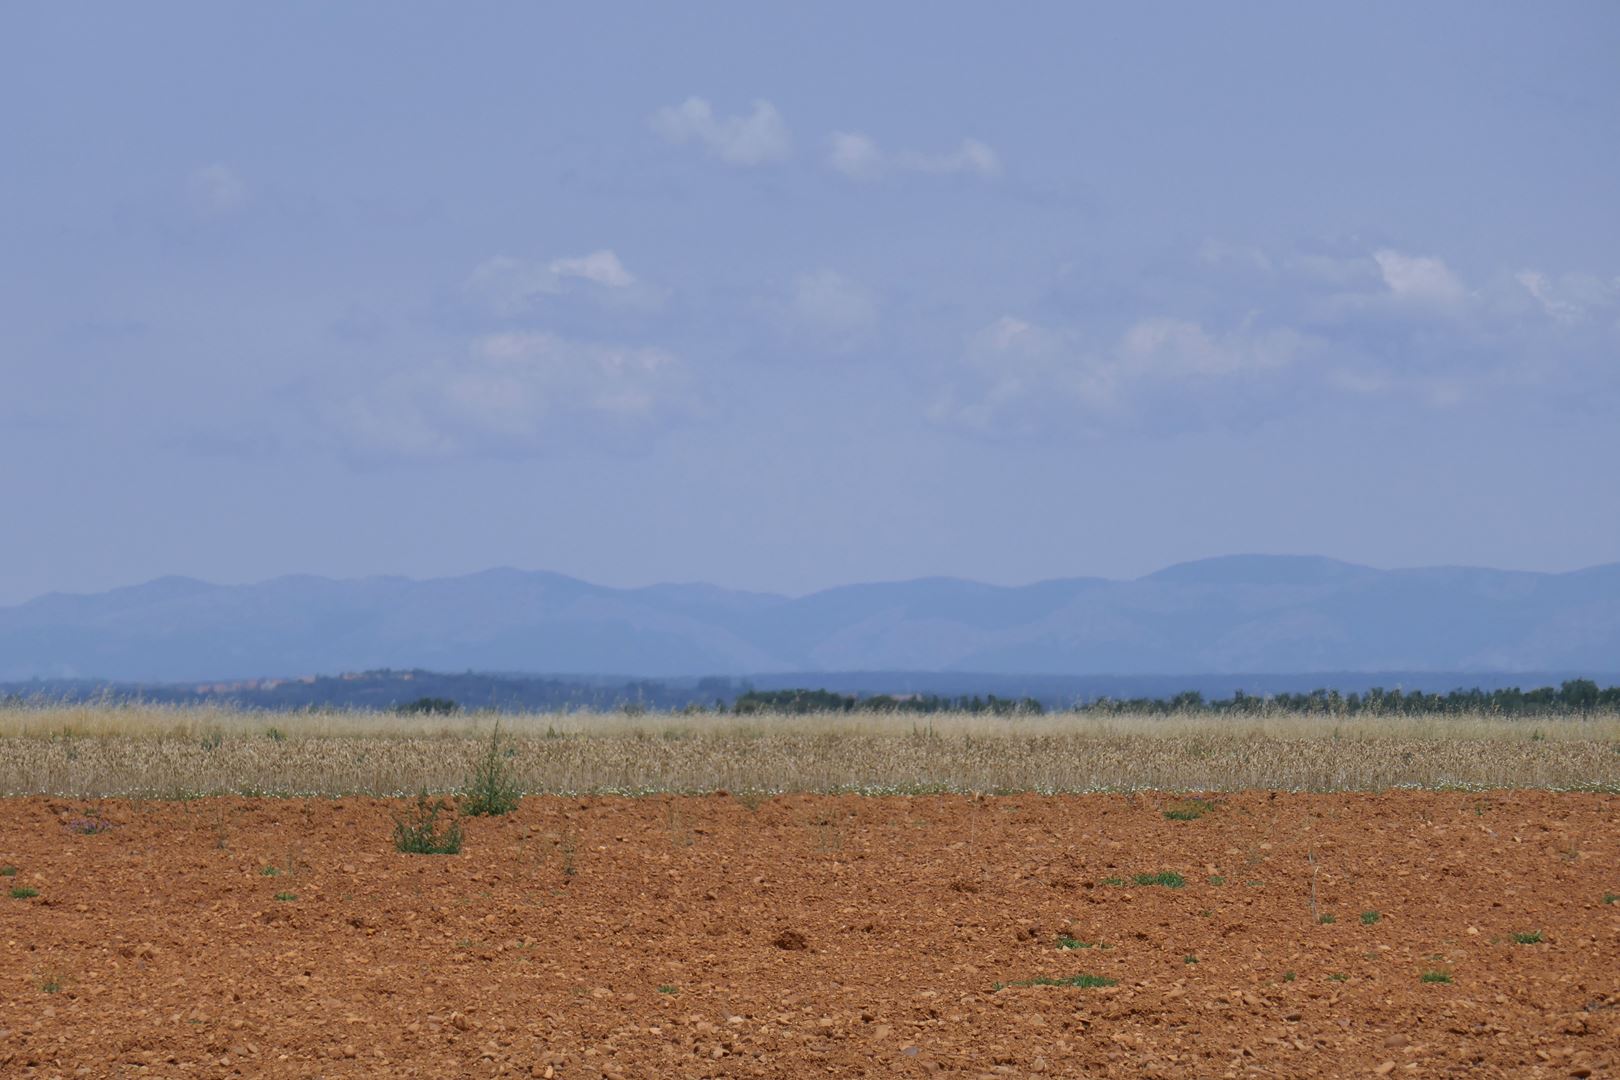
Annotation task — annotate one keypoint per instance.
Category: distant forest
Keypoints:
(437, 692)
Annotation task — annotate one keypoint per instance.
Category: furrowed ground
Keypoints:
(1141, 932)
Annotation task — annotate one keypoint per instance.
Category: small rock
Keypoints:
(791, 940)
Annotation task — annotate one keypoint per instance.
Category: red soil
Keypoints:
(852, 936)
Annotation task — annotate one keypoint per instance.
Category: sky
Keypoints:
(781, 298)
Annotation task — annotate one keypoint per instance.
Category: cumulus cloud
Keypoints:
(510, 286)
(1213, 252)
(759, 137)
(1571, 297)
(1419, 279)
(216, 190)
(859, 157)
(1348, 327)
(832, 304)
(1020, 375)
(517, 393)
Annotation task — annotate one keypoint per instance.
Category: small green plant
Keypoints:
(1529, 937)
(1113, 881)
(667, 989)
(1370, 917)
(1289, 976)
(212, 741)
(1608, 897)
(1168, 878)
(1189, 959)
(1067, 942)
(275, 734)
(492, 790)
(52, 983)
(418, 831)
(270, 871)
(1083, 981)
(1338, 976)
(1328, 919)
(1436, 976)
(1216, 879)
(11, 871)
(23, 892)
(286, 896)
(1190, 810)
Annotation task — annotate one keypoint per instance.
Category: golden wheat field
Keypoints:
(173, 752)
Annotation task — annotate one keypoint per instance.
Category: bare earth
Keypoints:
(815, 935)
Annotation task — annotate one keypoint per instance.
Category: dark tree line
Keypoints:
(1573, 696)
(825, 701)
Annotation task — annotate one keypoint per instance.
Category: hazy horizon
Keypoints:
(697, 583)
(781, 300)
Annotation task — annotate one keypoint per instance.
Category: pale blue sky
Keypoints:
(787, 298)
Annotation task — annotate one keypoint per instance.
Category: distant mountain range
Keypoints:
(1243, 613)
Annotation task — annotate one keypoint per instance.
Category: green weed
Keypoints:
(1083, 981)
(493, 790)
(23, 892)
(1530, 937)
(418, 832)
(1370, 917)
(1168, 878)
(1329, 919)
(286, 896)
(1436, 976)
(1190, 810)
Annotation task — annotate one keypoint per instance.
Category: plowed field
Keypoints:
(1278, 935)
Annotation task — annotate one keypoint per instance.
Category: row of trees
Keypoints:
(1573, 696)
(825, 701)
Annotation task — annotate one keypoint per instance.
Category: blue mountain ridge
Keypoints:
(1241, 613)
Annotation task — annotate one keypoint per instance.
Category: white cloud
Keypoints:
(1215, 253)
(1571, 297)
(1022, 375)
(1178, 348)
(518, 393)
(1419, 279)
(855, 155)
(757, 138)
(832, 304)
(601, 267)
(216, 190)
(859, 157)
(512, 285)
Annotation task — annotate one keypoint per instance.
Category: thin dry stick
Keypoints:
(1311, 855)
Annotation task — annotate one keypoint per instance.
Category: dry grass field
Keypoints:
(160, 752)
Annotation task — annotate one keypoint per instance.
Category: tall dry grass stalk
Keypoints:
(159, 752)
